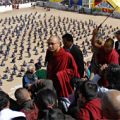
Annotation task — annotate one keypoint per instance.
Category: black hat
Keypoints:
(38, 65)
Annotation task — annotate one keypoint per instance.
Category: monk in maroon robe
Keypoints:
(107, 57)
(61, 67)
(106, 53)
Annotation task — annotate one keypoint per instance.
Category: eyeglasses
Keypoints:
(51, 43)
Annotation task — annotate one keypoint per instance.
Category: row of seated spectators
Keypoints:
(89, 101)
(93, 97)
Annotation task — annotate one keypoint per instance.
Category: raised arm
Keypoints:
(93, 40)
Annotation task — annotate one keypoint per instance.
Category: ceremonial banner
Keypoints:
(115, 4)
(75, 2)
(55, 0)
(96, 2)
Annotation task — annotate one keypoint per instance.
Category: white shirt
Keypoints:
(8, 114)
(101, 90)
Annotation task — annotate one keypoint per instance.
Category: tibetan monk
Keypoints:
(106, 53)
(61, 67)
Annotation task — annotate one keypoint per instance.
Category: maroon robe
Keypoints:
(92, 110)
(112, 57)
(31, 114)
(61, 69)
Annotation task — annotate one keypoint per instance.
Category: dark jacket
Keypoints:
(54, 114)
(78, 56)
(116, 47)
(118, 50)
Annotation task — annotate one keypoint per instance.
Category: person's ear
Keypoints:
(60, 44)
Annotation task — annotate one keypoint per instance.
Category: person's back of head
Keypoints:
(4, 100)
(67, 37)
(22, 95)
(47, 103)
(47, 99)
(67, 40)
(27, 105)
(7, 113)
(48, 106)
(55, 114)
(111, 104)
(88, 89)
(38, 66)
(113, 76)
(88, 103)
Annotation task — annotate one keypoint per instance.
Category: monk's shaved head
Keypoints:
(55, 39)
(108, 46)
(111, 104)
(22, 95)
(54, 43)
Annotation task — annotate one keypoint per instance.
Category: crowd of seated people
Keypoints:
(41, 98)
(26, 34)
(88, 101)
(69, 88)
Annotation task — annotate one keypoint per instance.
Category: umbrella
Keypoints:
(115, 4)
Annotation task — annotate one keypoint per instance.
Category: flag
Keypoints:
(115, 4)
(96, 2)
(75, 2)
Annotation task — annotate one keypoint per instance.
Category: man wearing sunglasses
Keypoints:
(61, 67)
